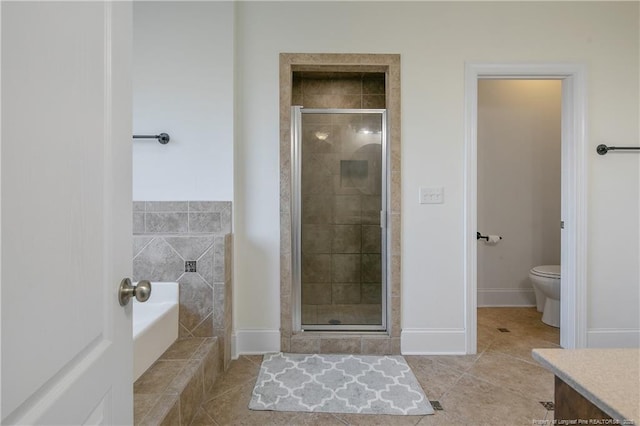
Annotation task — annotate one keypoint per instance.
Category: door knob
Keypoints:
(142, 291)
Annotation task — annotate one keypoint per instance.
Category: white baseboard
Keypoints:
(502, 297)
(432, 341)
(255, 342)
(613, 338)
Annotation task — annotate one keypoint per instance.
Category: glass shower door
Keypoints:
(340, 194)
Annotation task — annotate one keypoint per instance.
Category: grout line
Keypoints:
(342, 421)
(527, 397)
(145, 246)
(446, 392)
(210, 316)
(185, 329)
(231, 389)
(251, 361)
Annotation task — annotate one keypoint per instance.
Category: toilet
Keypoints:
(546, 285)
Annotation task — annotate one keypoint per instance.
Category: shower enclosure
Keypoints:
(339, 199)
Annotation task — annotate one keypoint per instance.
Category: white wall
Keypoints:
(519, 156)
(435, 40)
(183, 85)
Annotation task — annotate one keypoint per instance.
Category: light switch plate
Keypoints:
(432, 195)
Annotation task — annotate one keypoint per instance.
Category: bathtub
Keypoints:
(155, 325)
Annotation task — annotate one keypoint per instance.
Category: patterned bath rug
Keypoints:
(363, 384)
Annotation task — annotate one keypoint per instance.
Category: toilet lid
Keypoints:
(549, 271)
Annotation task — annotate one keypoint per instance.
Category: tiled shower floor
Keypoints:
(342, 314)
(500, 385)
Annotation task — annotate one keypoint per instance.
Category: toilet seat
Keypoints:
(546, 271)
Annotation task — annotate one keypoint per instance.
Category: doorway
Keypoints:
(338, 200)
(519, 165)
(573, 192)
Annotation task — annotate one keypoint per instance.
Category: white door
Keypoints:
(65, 213)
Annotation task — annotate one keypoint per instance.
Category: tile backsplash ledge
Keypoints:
(189, 242)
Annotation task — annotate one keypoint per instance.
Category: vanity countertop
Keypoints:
(608, 378)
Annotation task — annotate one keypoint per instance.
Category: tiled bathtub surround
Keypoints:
(172, 390)
(181, 217)
(169, 233)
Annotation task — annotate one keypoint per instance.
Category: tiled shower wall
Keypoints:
(341, 203)
(189, 242)
(338, 90)
(341, 260)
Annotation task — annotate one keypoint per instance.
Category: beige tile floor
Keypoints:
(500, 385)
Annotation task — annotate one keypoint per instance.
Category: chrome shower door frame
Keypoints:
(296, 220)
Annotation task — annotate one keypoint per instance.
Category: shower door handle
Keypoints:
(126, 291)
(383, 219)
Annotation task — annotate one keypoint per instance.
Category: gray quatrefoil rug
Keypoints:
(363, 384)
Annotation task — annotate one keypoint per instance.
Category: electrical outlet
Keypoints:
(433, 195)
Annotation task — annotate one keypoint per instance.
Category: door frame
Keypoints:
(573, 296)
(290, 341)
